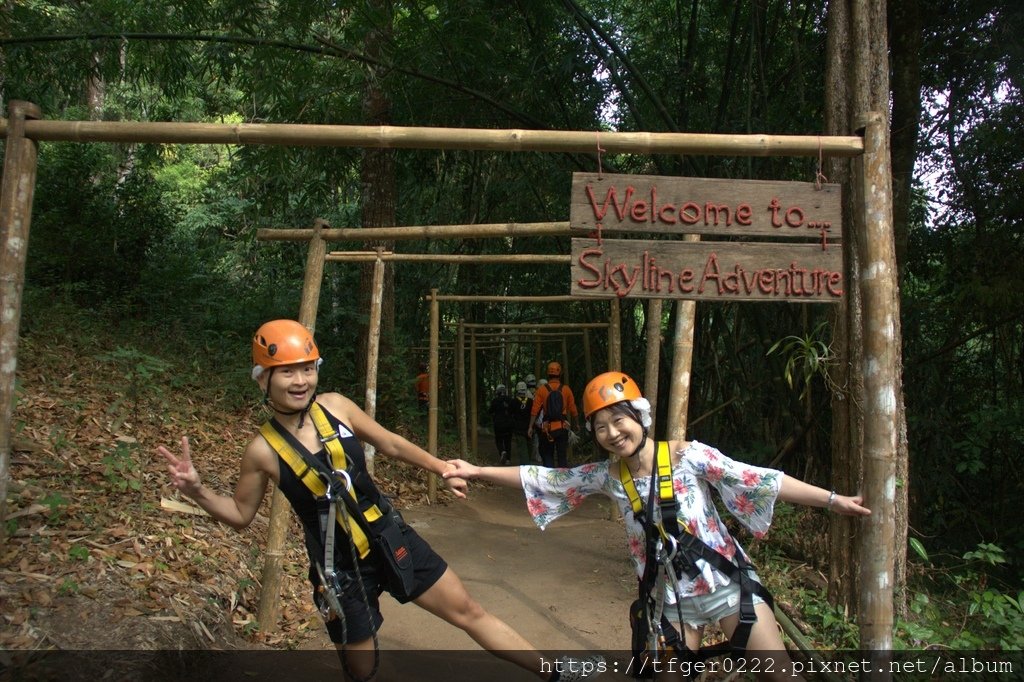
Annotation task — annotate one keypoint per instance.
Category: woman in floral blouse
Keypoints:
(619, 418)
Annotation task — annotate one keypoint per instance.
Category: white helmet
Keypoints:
(521, 388)
(501, 389)
(531, 381)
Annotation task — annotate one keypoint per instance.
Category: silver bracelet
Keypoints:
(831, 499)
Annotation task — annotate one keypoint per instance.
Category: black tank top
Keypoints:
(304, 503)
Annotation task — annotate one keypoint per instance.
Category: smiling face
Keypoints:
(617, 430)
(291, 386)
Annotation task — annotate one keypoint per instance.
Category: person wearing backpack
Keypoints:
(560, 415)
(502, 419)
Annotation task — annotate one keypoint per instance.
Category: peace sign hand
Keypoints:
(183, 475)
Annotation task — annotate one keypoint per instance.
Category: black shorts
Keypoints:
(361, 622)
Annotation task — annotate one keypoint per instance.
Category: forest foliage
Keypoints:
(161, 238)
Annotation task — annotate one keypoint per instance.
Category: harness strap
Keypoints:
(309, 472)
(688, 550)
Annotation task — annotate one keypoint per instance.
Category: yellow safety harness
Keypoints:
(672, 551)
(313, 478)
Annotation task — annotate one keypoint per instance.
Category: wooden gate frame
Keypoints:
(882, 359)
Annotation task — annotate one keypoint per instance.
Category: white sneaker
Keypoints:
(572, 669)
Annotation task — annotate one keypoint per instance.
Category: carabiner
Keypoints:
(669, 554)
(341, 473)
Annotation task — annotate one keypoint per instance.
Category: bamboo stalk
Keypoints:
(483, 231)
(16, 193)
(484, 258)
(399, 137)
(270, 592)
(536, 325)
(511, 299)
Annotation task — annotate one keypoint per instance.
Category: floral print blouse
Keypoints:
(749, 493)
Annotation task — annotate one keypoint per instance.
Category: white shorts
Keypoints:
(707, 609)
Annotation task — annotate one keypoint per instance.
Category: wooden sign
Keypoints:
(652, 204)
(719, 271)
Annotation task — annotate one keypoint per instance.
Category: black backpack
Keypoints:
(554, 405)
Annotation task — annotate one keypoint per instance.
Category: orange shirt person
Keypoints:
(555, 402)
(423, 388)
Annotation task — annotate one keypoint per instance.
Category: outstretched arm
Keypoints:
(506, 476)
(237, 511)
(796, 491)
(388, 443)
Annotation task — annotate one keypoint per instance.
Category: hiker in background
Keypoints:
(537, 423)
(707, 577)
(559, 415)
(502, 421)
(521, 406)
(423, 388)
(358, 544)
(531, 392)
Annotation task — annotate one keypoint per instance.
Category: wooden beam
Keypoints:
(399, 137)
(466, 259)
(361, 234)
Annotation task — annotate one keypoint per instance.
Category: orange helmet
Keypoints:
(607, 389)
(554, 369)
(282, 342)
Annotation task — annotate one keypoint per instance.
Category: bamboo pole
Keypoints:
(460, 386)
(530, 336)
(461, 259)
(682, 365)
(540, 325)
(653, 359)
(474, 421)
(510, 299)
(362, 234)
(435, 317)
(16, 193)
(586, 355)
(614, 335)
(882, 388)
(373, 353)
(270, 591)
(398, 137)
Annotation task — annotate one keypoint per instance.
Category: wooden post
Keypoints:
(586, 355)
(882, 389)
(373, 351)
(653, 361)
(538, 357)
(614, 336)
(565, 360)
(474, 421)
(18, 188)
(682, 363)
(270, 590)
(460, 387)
(435, 326)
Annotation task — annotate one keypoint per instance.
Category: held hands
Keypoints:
(461, 470)
(183, 475)
(457, 485)
(848, 506)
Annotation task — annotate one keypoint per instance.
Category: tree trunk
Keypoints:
(857, 72)
(377, 182)
(906, 35)
(847, 343)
